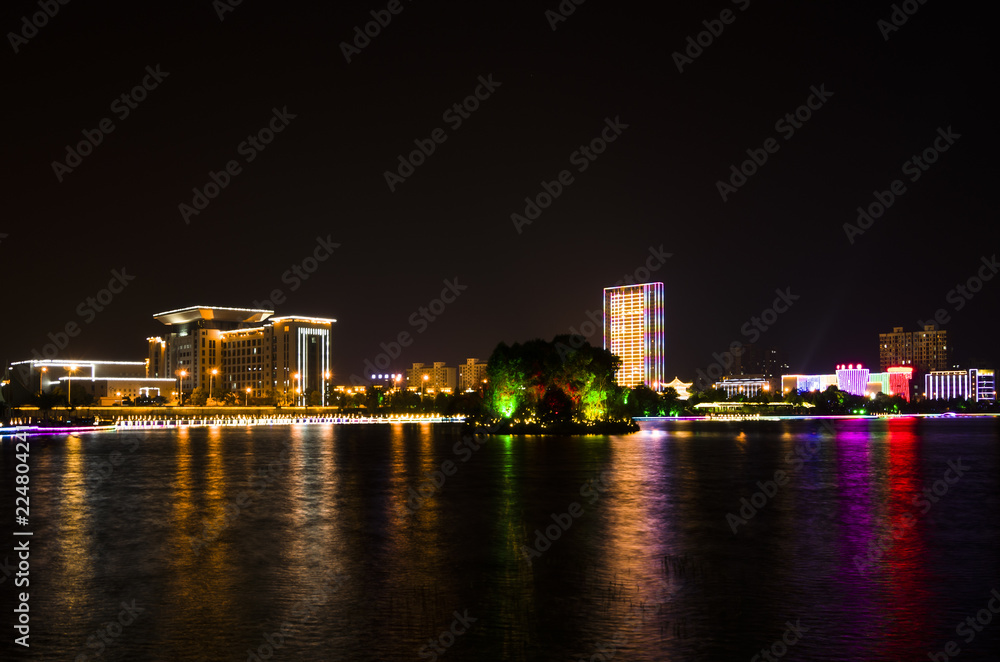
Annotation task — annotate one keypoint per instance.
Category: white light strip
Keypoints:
(241, 310)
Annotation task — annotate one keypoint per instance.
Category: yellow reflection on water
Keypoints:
(75, 519)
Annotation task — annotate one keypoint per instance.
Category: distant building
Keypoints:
(807, 383)
(471, 374)
(248, 349)
(437, 378)
(682, 388)
(748, 386)
(757, 360)
(974, 384)
(105, 381)
(894, 381)
(633, 331)
(923, 351)
(852, 379)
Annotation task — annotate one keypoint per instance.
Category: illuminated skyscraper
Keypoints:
(633, 331)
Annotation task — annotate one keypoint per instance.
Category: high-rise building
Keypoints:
(924, 351)
(471, 374)
(633, 331)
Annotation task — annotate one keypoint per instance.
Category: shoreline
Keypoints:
(226, 417)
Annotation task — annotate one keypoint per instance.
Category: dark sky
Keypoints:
(655, 186)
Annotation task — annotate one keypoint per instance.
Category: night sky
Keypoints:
(550, 92)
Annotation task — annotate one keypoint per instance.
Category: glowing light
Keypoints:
(853, 380)
(633, 331)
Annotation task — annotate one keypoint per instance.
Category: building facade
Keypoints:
(853, 380)
(633, 331)
(102, 380)
(436, 378)
(471, 374)
(246, 351)
(923, 351)
(746, 386)
(974, 384)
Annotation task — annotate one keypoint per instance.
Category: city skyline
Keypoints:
(239, 347)
(299, 206)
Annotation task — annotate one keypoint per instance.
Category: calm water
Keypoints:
(225, 537)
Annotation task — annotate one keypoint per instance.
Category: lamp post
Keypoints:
(296, 378)
(69, 381)
(247, 404)
(180, 387)
(211, 381)
(423, 387)
(326, 388)
(41, 376)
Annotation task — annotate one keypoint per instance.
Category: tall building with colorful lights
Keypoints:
(633, 331)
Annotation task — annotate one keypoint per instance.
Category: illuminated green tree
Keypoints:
(532, 378)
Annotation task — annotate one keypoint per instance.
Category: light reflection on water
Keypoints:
(223, 536)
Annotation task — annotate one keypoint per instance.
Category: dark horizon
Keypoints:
(874, 98)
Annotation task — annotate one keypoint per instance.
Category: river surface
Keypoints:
(307, 543)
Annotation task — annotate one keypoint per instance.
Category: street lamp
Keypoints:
(211, 380)
(41, 375)
(69, 398)
(180, 386)
(248, 396)
(297, 389)
(326, 388)
(423, 386)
